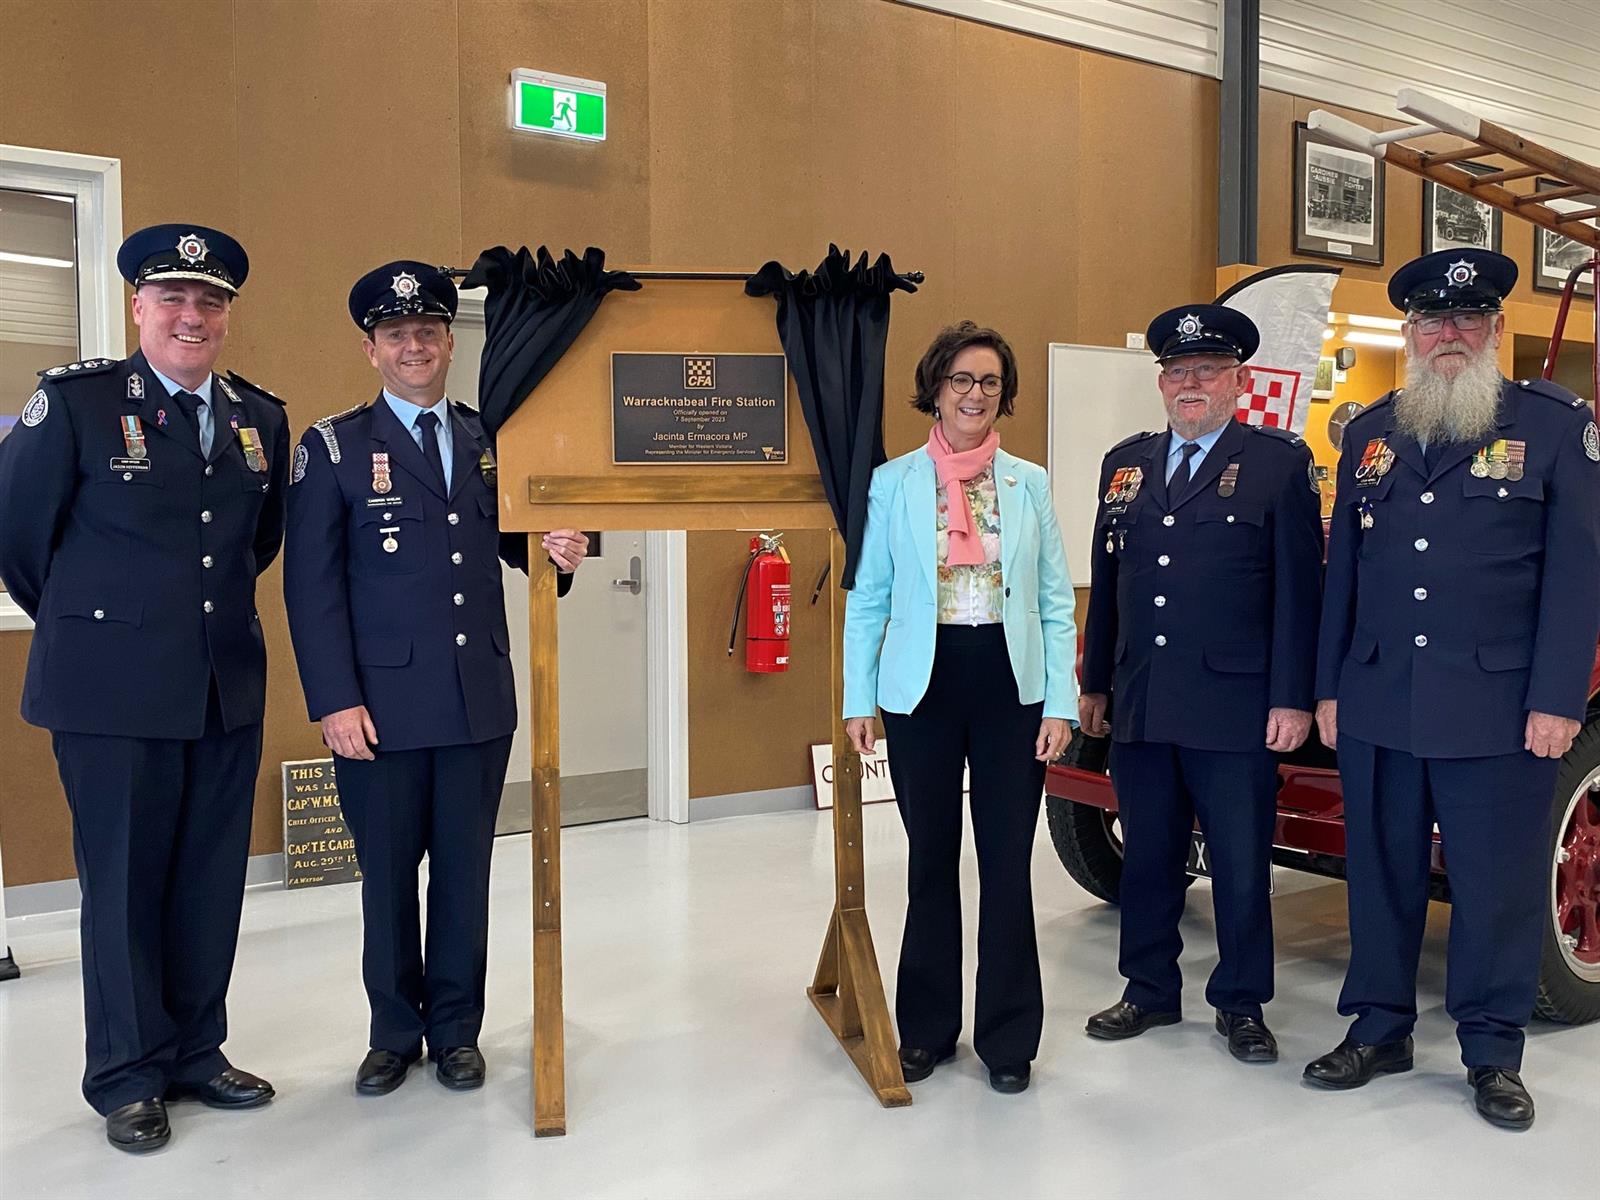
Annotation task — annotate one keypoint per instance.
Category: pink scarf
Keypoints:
(960, 467)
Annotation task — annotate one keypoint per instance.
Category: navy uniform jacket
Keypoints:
(417, 633)
(140, 573)
(1203, 614)
(1462, 602)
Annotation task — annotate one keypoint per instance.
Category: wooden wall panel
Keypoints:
(525, 190)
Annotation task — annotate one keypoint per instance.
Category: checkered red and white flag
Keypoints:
(1290, 307)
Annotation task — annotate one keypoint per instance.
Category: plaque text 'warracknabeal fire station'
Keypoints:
(698, 408)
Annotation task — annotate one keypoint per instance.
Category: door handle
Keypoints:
(634, 582)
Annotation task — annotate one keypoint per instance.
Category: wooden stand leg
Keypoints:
(549, 1038)
(847, 989)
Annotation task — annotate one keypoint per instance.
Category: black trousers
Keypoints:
(161, 833)
(1161, 789)
(969, 716)
(1493, 815)
(440, 801)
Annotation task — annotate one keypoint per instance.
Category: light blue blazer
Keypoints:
(891, 614)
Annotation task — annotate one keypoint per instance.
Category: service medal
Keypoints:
(1229, 481)
(250, 441)
(380, 473)
(133, 437)
(389, 544)
(487, 467)
(1516, 455)
(1376, 459)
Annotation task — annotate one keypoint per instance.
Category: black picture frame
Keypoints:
(1554, 256)
(1338, 200)
(1446, 211)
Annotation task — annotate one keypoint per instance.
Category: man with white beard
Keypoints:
(1460, 614)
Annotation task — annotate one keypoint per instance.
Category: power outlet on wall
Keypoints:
(1136, 341)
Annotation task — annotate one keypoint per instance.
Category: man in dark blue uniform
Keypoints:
(397, 609)
(1200, 639)
(1463, 603)
(142, 500)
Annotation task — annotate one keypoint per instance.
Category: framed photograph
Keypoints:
(1554, 256)
(1453, 221)
(1322, 382)
(1338, 200)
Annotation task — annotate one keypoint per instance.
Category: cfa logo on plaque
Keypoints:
(699, 372)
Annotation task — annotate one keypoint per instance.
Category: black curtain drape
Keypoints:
(535, 310)
(834, 325)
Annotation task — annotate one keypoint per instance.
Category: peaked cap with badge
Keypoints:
(1203, 329)
(1453, 281)
(148, 523)
(404, 288)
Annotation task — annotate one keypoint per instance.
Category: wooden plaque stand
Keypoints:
(555, 472)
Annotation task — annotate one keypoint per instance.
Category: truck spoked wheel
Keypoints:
(1569, 975)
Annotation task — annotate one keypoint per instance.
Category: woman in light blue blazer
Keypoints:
(960, 630)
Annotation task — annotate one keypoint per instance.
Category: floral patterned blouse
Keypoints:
(972, 595)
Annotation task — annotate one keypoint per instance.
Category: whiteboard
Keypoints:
(1098, 396)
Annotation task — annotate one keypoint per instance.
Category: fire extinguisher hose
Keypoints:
(738, 603)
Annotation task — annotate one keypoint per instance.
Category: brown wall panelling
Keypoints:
(740, 132)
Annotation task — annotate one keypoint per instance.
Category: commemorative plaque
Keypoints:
(317, 845)
(675, 409)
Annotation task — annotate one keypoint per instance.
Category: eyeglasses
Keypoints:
(961, 383)
(1466, 322)
(1200, 373)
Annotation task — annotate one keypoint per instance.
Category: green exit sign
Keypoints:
(558, 105)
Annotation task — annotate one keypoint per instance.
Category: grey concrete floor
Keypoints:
(696, 1067)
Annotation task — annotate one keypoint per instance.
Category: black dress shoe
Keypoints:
(1124, 1019)
(916, 1065)
(138, 1127)
(381, 1071)
(1249, 1039)
(1352, 1064)
(1010, 1080)
(231, 1088)
(460, 1068)
(1502, 1100)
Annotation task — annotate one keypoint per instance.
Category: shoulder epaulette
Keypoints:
(1282, 435)
(1137, 437)
(1373, 407)
(87, 366)
(324, 426)
(236, 378)
(1553, 391)
(464, 407)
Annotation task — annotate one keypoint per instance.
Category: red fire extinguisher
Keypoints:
(764, 601)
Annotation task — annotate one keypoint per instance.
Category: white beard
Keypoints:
(1435, 409)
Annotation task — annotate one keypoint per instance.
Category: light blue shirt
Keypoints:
(1175, 453)
(407, 413)
(203, 416)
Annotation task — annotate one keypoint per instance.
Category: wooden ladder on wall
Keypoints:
(1565, 197)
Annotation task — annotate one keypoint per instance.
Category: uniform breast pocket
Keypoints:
(1505, 517)
(1227, 536)
(388, 541)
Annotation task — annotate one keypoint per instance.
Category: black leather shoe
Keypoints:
(138, 1127)
(381, 1071)
(1353, 1064)
(1124, 1019)
(917, 1065)
(1502, 1100)
(460, 1068)
(1249, 1039)
(231, 1088)
(1010, 1080)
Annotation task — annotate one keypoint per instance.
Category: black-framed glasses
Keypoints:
(961, 383)
(1200, 372)
(1465, 322)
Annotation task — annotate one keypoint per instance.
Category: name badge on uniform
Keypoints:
(487, 467)
(1375, 462)
(133, 436)
(250, 442)
(381, 482)
(1229, 481)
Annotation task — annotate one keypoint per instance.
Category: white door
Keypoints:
(604, 747)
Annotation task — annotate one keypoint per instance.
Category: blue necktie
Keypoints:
(190, 404)
(427, 424)
(1183, 474)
